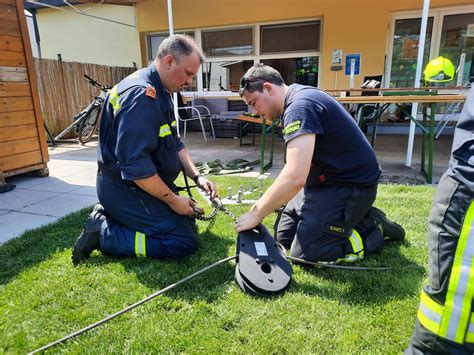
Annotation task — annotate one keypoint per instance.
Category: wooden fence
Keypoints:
(64, 91)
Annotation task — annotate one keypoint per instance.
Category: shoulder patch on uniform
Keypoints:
(151, 92)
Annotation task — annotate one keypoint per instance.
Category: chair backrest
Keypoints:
(215, 105)
(371, 82)
(183, 114)
(238, 105)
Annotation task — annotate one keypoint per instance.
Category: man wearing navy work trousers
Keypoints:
(445, 319)
(330, 177)
(139, 158)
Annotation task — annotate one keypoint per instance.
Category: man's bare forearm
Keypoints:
(155, 186)
(188, 165)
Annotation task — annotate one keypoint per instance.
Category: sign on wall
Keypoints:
(336, 56)
(356, 58)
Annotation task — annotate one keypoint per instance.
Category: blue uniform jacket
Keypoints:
(342, 155)
(137, 130)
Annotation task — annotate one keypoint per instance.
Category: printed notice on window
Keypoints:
(470, 30)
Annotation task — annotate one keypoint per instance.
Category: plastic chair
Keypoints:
(192, 113)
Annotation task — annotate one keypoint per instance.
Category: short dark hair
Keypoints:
(179, 46)
(257, 75)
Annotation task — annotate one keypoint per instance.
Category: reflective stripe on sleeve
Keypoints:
(470, 330)
(165, 130)
(114, 99)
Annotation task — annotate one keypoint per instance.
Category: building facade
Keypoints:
(312, 41)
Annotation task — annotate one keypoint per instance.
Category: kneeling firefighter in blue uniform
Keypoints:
(139, 157)
(445, 320)
(330, 178)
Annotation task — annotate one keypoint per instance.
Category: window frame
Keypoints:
(229, 28)
(257, 56)
(290, 23)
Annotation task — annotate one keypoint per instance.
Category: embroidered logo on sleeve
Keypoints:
(151, 92)
(292, 127)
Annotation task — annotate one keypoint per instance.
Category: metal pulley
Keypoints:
(262, 268)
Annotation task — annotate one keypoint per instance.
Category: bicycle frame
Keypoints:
(99, 100)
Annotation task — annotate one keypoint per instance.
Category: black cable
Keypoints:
(342, 267)
(188, 188)
(96, 324)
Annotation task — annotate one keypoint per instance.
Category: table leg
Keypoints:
(240, 133)
(428, 133)
(423, 141)
(431, 143)
(242, 127)
(262, 146)
(253, 133)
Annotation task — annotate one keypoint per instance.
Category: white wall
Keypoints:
(31, 32)
(90, 40)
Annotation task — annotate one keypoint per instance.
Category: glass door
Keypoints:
(457, 37)
(405, 51)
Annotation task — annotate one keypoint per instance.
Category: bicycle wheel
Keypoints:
(89, 124)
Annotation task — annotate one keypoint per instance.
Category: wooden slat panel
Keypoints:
(11, 104)
(8, 2)
(40, 126)
(9, 89)
(10, 43)
(10, 28)
(12, 59)
(8, 12)
(20, 160)
(16, 74)
(8, 134)
(36, 167)
(8, 119)
(19, 146)
(12, 63)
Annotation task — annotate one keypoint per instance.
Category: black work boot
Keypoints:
(390, 230)
(374, 242)
(89, 239)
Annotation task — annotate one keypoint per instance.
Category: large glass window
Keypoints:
(455, 41)
(231, 42)
(219, 76)
(296, 70)
(292, 37)
(405, 51)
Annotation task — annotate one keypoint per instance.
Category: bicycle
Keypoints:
(86, 122)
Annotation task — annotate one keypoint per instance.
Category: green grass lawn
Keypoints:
(43, 297)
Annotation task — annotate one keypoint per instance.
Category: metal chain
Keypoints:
(213, 214)
(230, 214)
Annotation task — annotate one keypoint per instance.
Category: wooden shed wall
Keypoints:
(22, 137)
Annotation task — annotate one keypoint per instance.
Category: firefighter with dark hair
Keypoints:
(445, 319)
(330, 178)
